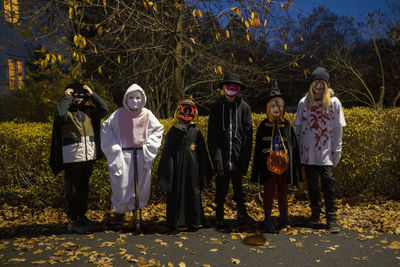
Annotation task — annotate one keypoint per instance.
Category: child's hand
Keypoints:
(89, 91)
(69, 91)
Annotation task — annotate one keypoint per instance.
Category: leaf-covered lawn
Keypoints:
(373, 217)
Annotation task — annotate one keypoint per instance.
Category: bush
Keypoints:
(369, 165)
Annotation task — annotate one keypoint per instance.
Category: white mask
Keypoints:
(134, 100)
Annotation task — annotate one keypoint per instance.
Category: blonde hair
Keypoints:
(326, 95)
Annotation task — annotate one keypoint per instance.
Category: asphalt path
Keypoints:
(118, 246)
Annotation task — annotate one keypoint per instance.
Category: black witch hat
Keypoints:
(276, 92)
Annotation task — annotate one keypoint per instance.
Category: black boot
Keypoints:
(243, 217)
(331, 223)
(314, 219)
(283, 217)
(267, 223)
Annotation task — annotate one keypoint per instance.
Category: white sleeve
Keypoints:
(154, 137)
(297, 121)
(299, 112)
(110, 144)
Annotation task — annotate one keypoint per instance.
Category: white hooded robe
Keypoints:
(114, 142)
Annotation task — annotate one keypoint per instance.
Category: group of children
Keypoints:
(132, 135)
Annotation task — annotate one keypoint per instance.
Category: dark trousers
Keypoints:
(313, 173)
(275, 183)
(77, 187)
(222, 184)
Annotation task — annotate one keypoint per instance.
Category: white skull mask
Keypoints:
(135, 100)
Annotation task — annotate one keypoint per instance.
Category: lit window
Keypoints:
(11, 11)
(15, 74)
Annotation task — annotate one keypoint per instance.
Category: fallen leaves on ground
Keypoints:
(373, 217)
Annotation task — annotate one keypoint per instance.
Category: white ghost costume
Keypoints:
(131, 127)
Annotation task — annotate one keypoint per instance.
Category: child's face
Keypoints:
(134, 100)
(277, 106)
(318, 87)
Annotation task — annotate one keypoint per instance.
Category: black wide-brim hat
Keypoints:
(231, 77)
(276, 92)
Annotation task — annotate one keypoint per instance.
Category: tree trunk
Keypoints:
(177, 82)
(396, 98)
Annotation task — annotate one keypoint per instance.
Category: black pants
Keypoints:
(313, 173)
(222, 184)
(77, 187)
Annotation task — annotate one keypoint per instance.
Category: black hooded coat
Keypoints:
(184, 170)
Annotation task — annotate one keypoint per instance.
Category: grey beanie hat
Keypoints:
(320, 73)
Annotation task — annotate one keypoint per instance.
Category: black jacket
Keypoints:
(230, 135)
(61, 117)
(260, 172)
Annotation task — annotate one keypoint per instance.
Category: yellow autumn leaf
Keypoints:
(192, 40)
(219, 69)
(214, 250)
(38, 251)
(247, 24)
(119, 59)
(394, 245)
(182, 264)
(248, 37)
(71, 12)
(194, 13)
(235, 261)
(237, 11)
(179, 244)
(285, 46)
(265, 23)
(100, 31)
(218, 36)
(39, 262)
(200, 13)
(227, 34)
(268, 79)
(250, 60)
(233, 56)
(99, 69)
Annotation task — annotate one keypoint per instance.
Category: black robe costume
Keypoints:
(184, 170)
(260, 172)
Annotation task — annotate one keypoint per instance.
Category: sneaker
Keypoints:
(314, 220)
(333, 227)
(75, 226)
(244, 218)
(86, 221)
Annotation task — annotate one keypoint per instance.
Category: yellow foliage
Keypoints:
(369, 164)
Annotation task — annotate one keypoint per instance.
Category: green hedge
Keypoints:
(369, 165)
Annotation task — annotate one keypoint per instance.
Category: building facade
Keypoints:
(15, 51)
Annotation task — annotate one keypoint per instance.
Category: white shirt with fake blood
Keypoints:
(316, 138)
